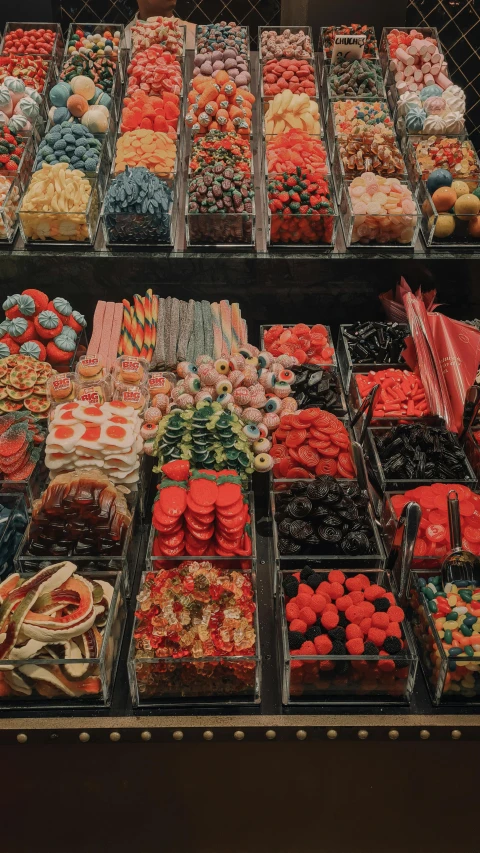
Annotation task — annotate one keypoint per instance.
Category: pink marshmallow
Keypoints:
(412, 87)
(435, 58)
(418, 76)
(436, 69)
(412, 49)
(443, 81)
(399, 76)
(402, 87)
(394, 65)
(404, 57)
(409, 71)
(428, 80)
(426, 67)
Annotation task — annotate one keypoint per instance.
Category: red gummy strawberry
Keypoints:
(172, 498)
(39, 297)
(178, 470)
(203, 489)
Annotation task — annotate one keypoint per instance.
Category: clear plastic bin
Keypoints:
(269, 97)
(381, 94)
(62, 227)
(224, 680)
(307, 31)
(9, 211)
(385, 52)
(347, 366)
(355, 399)
(332, 363)
(304, 230)
(378, 230)
(24, 686)
(345, 165)
(125, 230)
(100, 28)
(268, 133)
(470, 174)
(31, 488)
(447, 229)
(345, 679)
(57, 44)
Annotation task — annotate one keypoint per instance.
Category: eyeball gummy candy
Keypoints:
(223, 387)
(252, 432)
(283, 390)
(185, 400)
(222, 366)
(185, 367)
(192, 383)
(263, 445)
(273, 404)
(224, 400)
(263, 430)
(263, 462)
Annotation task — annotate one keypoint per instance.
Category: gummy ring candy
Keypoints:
(326, 466)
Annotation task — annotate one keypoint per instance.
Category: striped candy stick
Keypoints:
(147, 308)
(226, 320)
(154, 324)
(140, 329)
(217, 330)
(127, 328)
(236, 327)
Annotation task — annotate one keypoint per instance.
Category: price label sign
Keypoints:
(348, 47)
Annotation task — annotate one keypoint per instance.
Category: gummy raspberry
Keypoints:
(365, 624)
(344, 602)
(390, 597)
(353, 631)
(308, 615)
(324, 587)
(394, 630)
(336, 590)
(380, 620)
(355, 646)
(305, 573)
(364, 579)
(304, 589)
(392, 645)
(381, 605)
(329, 620)
(338, 648)
(292, 611)
(290, 586)
(330, 608)
(401, 662)
(313, 631)
(374, 591)
(355, 583)
(323, 645)
(395, 614)
(307, 648)
(385, 665)
(377, 636)
(370, 648)
(298, 626)
(318, 603)
(295, 640)
(354, 614)
(366, 608)
(337, 633)
(302, 600)
(336, 576)
(356, 596)
(314, 581)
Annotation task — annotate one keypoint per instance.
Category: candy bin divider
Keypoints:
(279, 30)
(266, 326)
(123, 563)
(428, 227)
(384, 51)
(381, 96)
(333, 561)
(340, 176)
(268, 98)
(390, 484)
(329, 696)
(230, 562)
(183, 699)
(106, 664)
(27, 160)
(90, 219)
(472, 451)
(417, 176)
(354, 401)
(211, 23)
(9, 211)
(347, 367)
(301, 247)
(31, 488)
(265, 104)
(16, 502)
(58, 44)
(348, 218)
(80, 349)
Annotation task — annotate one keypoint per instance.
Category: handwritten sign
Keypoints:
(348, 47)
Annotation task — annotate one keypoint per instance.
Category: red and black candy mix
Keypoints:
(12, 147)
(200, 512)
(324, 516)
(308, 344)
(342, 614)
(22, 41)
(311, 443)
(32, 70)
(433, 538)
(301, 209)
(401, 393)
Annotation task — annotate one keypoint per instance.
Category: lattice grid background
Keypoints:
(458, 25)
(251, 13)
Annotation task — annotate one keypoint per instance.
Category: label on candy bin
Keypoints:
(348, 47)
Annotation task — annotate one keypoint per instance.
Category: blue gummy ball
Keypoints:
(60, 115)
(90, 164)
(60, 93)
(439, 178)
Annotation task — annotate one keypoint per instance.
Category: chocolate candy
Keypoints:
(357, 78)
(420, 452)
(221, 37)
(137, 208)
(375, 342)
(316, 386)
(288, 44)
(329, 33)
(324, 517)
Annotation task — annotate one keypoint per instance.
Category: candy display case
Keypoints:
(236, 563)
(286, 326)
(100, 29)
(364, 549)
(121, 561)
(304, 230)
(242, 35)
(392, 482)
(338, 113)
(268, 96)
(84, 675)
(196, 679)
(269, 133)
(127, 230)
(448, 229)
(348, 364)
(12, 30)
(308, 389)
(69, 228)
(452, 674)
(220, 231)
(21, 66)
(354, 156)
(357, 678)
(373, 68)
(9, 211)
(13, 521)
(378, 230)
(405, 411)
(463, 163)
